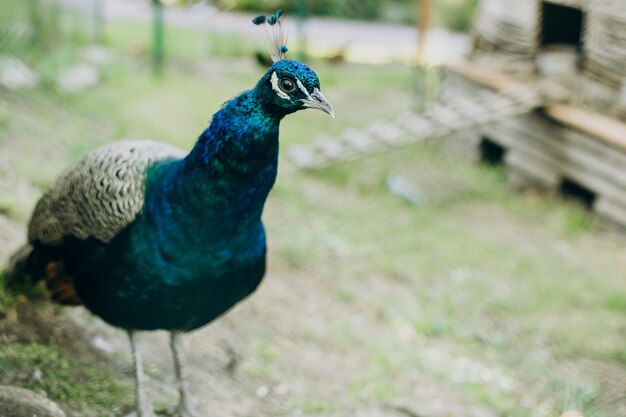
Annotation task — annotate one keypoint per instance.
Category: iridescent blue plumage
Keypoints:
(188, 242)
(197, 247)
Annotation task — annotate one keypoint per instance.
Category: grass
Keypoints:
(182, 45)
(487, 268)
(308, 406)
(517, 285)
(65, 378)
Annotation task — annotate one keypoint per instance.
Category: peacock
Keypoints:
(149, 237)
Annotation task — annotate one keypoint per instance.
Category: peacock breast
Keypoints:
(160, 285)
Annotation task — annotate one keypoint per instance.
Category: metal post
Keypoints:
(158, 47)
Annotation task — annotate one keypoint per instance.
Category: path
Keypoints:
(360, 41)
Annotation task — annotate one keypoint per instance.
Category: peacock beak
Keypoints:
(317, 101)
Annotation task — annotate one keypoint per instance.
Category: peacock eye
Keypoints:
(286, 85)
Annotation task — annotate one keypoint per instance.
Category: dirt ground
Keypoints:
(276, 354)
(292, 349)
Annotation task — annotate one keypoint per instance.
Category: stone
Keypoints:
(78, 78)
(405, 189)
(20, 402)
(16, 75)
(97, 55)
(262, 391)
(103, 345)
(571, 413)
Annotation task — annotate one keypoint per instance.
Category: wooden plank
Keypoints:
(538, 127)
(360, 141)
(550, 175)
(570, 3)
(570, 161)
(418, 125)
(388, 133)
(330, 148)
(611, 210)
(500, 104)
(467, 108)
(518, 141)
(612, 174)
(302, 157)
(598, 186)
(549, 145)
(605, 128)
(444, 115)
(605, 152)
(485, 76)
(527, 99)
(545, 173)
(520, 180)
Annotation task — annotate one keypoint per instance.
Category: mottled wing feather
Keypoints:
(100, 195)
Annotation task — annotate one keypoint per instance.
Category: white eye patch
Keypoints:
(277, 89)
(301, 87)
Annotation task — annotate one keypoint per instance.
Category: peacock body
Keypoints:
(148, 237)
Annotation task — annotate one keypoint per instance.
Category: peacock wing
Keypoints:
(100, 195)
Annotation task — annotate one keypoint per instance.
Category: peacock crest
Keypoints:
(273, 33)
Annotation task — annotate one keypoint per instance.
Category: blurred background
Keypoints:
(452, 244)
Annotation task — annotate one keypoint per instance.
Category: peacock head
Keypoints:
(287, 86)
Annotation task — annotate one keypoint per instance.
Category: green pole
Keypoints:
(158, 47)
(36, 22)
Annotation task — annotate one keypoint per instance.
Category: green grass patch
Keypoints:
(41, 34)
(79, 384)
(309, 406)
(616, 302)
(574, 395)
(181, 44)
(485, 394)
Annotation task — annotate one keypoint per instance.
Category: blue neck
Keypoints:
(241, 140)
(220, 188)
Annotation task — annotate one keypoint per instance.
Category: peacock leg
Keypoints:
(143, 407)
(185, 409)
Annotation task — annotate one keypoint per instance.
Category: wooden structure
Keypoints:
(456, 115)
(543, 92)
(554, 147)
(575, 142)
(531, 38)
